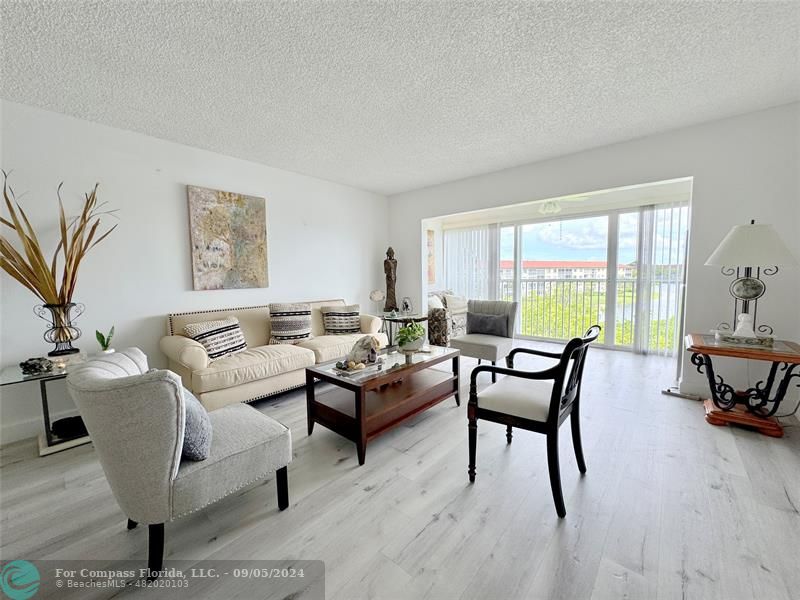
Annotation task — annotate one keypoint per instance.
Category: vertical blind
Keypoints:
(661, 258)
(471, 261)
(472, 269)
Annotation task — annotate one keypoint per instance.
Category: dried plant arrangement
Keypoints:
(29, 265)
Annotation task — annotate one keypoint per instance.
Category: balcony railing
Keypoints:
(560, 309)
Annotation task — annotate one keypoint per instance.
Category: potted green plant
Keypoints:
(105, 340)
(411, 337)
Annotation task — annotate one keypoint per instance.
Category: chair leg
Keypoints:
(555, 473)
(508, 434)
(494, 375)
(155, 553)
(473, 442)
(283, 488)
(576, 439)
(132, 524)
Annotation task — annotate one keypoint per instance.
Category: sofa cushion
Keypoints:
(247, 446)
(220, 338)
(435, 302)
(333, 347)
(341, 320)
(251, 365)
(457, 305)
(290, 323)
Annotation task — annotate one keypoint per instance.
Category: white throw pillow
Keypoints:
(341, 320)
(457, 305)
(221, 338)
(435, 302)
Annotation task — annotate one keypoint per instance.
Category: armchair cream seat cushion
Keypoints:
(251, 365)
(244, 449)
(526, 398)
(483, 346)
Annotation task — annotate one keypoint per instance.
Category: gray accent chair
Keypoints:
(481, 345)
(136, 419)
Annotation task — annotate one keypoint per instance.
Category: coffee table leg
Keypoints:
(361, 417)
(310, 401)
(458, 380)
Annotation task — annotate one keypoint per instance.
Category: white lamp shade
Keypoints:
(753, 245)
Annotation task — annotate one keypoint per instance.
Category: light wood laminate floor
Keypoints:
(671, 507)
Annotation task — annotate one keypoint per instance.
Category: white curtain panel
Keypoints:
(471, 261)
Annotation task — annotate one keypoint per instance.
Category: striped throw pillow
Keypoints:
(220, 338)
(341, 320)
(290, 323)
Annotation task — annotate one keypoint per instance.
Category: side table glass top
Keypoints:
(13, 373)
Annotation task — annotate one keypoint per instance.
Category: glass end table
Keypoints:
(49, 443)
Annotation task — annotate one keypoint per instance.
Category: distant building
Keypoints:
(564, 269)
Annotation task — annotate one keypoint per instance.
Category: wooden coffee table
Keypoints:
(365, 404)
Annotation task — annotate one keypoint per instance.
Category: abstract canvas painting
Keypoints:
(431, 256)
(229, 239)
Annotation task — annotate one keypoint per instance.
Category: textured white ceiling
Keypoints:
(392, 96)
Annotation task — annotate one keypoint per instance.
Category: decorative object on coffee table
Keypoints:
(390, 270)
(364, 350)
(38, 274)
(229, 239)
(756, 406)
(747, 253)
(406, 306)
(105, 340)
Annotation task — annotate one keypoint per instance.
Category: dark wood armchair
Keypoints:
(534, 400)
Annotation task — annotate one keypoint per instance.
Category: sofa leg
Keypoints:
(494, 375)
(283, 488)
(155, 553)
(132, 524)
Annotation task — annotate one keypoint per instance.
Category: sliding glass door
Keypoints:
(621, 269)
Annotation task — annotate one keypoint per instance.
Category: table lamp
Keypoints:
(378, 296)
(747, 253)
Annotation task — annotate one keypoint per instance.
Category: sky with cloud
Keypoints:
(586, 238)
(576, 239)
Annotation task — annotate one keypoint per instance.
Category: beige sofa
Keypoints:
(262, 370)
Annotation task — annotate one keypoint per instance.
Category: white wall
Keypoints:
(744, 168)
(325, 240)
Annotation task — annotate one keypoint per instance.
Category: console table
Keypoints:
(756, 406)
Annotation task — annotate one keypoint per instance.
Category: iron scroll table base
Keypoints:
(755, 406)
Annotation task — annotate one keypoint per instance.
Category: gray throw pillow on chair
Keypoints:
(487, 324)
(197, 433)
